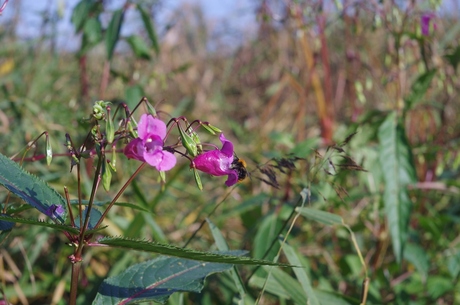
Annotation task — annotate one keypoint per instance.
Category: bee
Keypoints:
(240, 166)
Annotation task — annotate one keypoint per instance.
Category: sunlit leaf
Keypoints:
(30, 189)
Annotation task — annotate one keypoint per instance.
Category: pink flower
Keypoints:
(218, 162)
(148, 147)
(425, 23)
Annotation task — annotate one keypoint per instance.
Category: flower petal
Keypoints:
(135, 150)
(232, 178)
(162, 160)
(213, 162)
(227, 147)
(148, 125)
(167, 162)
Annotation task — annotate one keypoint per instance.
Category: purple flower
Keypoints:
(218, 162)
(425, 23)
(55, 210)
(148, 147)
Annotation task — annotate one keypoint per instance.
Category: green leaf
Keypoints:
(289, 284)
(149, 28)
(321, 216)
(267, 232)
(327, 297)
(156, 280)
(301, 274)
(92, 31)
(454, 57)
(30, 189)
(94, 217)
(419, 88)
(453, 263)
(133, 94)
(60, 227)
(418, 257)
(137, 44)
(113, 32)
(437, 286)
(223, 246)
(398, 172)
(80, 14)
(6, 225)
(171, 250)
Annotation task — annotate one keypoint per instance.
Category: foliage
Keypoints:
(346, 117)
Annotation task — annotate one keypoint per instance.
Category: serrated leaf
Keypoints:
(146, 19)
(139, 47)
(156, 280)
(60, 227)
(113, 32)
(398, 172)
(149, 246)
(30, 189)
(6, 225)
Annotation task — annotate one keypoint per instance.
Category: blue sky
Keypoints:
(239, 13)
(236, 14)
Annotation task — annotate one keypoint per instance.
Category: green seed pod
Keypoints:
(106, 176)
(109, 128)
(188, 142)
(197, 179)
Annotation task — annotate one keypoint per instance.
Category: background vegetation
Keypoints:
(313, 74)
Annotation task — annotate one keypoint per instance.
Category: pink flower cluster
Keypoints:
(149, 147)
